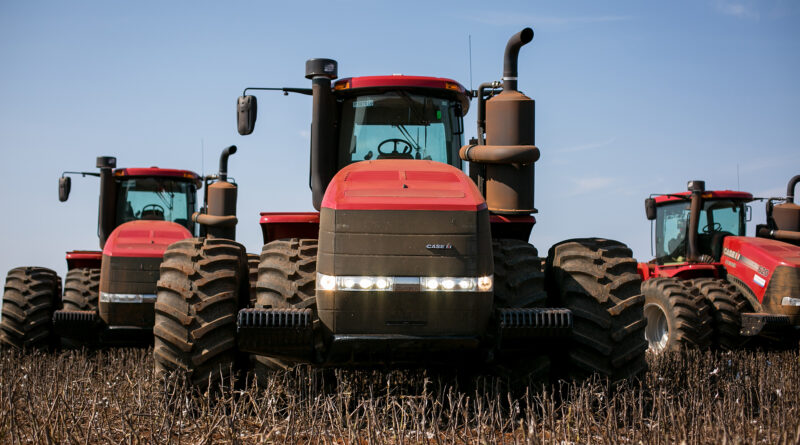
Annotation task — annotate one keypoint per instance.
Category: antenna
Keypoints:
(738, 187)
(470, 62)
(202, 159)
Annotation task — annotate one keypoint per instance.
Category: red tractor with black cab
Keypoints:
(109, 294)
(709, 284)
(408, 260)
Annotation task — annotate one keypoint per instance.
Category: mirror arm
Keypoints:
(286, 90)
(83, 174)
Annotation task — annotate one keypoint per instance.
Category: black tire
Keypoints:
(727, 305)
(196, 309)
(252, 274)
(518, 275)
(519, 283)
(677, 316)
(81, 289)
(287, 277)
(287, 274)
(597, 280)
(30, 298)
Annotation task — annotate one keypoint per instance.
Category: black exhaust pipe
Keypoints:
(510, 58)
(323, 137)
(696, 188)
(223, 162)
(790, 189)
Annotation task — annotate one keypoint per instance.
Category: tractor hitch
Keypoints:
(757, 322)
(516, 327)
(284, 333)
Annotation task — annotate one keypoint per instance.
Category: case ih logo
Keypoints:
(439, 246)
(731, 253)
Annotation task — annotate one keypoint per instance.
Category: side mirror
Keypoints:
(650, 208)
(64, 184)
(748, 213)
(246, 110)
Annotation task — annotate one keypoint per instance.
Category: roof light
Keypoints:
(341, 86)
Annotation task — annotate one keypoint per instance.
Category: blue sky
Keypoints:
(632, 98)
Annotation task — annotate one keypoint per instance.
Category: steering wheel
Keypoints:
(155, 211)
(712, 228)
(406, 149)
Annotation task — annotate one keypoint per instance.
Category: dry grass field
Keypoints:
(113, 396)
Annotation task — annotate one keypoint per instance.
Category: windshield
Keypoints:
(400, 125)
(718, 218)
(152, 198)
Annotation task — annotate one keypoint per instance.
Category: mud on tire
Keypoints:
(252, 275)
(196, 308)
(727, 306)
(287, 277)
(677, 315)
(31, 296)
(597, 280)
(81, 289)
(518, 275)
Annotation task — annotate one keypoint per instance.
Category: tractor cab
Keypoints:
(400, 117)
(155, 194)
(682, 226)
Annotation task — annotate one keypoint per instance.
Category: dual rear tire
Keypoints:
(31, 296)
(199, 296)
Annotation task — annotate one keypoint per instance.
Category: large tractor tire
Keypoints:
(727, 306)
(287, 277)
(196, 309)
(677, 316)
(518, 275)
(81, 289)
(597, 280)
(519, 283)
(30, 298)
(287, 274)
(252, 274)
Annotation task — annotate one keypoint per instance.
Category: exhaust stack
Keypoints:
(504, 164)
(787, 215)
(220, 217)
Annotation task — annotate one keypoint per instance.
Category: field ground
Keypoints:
(113, 396)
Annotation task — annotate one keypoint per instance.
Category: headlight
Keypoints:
(354, 283)
(404, 284)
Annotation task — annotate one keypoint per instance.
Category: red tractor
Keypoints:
(108, 295)
(408, 261)
(709, 284)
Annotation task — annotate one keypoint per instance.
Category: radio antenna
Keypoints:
(470, 62)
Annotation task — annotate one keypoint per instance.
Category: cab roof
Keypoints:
(159, 172)
(399, 81)
(708, 194)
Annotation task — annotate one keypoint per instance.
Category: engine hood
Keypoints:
(765, 253)
(144, 238)
(402, 185)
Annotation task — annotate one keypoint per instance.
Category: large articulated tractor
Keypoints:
(712, 286)
(408, 261)
(109, 294)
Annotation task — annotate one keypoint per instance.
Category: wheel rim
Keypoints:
(657, 331)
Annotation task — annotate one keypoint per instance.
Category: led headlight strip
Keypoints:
(127, 298)
(410, 284)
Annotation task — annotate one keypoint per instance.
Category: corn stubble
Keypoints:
(114, 396)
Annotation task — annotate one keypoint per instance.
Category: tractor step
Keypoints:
(76, 324)
(285, 333)
(517, 326)
(756, 322)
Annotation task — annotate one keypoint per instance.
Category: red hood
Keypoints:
(402, 185)
(144, 238)
(767, 252)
